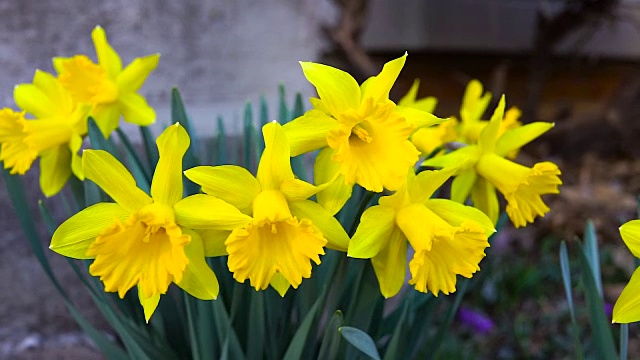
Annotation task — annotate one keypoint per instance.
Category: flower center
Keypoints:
(359, 132)
(146, 250)
(87, 81)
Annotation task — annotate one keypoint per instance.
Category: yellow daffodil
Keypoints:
(483, 168)
(111, 89)
(286, 232)
(146, 240)
(449, 239)
(363, 135)
(627, 307)
(55, 135)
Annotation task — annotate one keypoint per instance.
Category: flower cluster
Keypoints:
(52, 120)
(273, 226)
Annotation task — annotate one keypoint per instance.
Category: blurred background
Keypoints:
(572, 62)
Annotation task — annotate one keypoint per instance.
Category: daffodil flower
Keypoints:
(146, 241)
(54, 136)
(449, 239)
(483, 168)
(286, 232)
(111, 89)
(363, 135)
(627, 307)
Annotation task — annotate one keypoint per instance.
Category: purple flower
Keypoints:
(476, 320)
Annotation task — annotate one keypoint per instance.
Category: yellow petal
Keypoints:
(457, 214)
(134, 75)
(198, 279)
(107, 117)
(297, 190)
(213, 242)
(149, 304)
(380, 87)
(135, 109)
(373, 232)
(410, 97)
(108, 173)
(489, 135)
(15, 153)
(73, 237)
(464, 158)
(333, 196)
(166, 186)
(419, 118)
(33, 100)
(233, 184)
(280, 284)
(309, 131)
(485, 199)
(55, 169)
(337, 238)
(390, 264)
(474, 104)
(516, 138)
(275, 163)
(630, 233)
(462, 184)
(627, 307)
(107, 57)
(208, 212)
(337, 89)
(427, 182)
(420, 225)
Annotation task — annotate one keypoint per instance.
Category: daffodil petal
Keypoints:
(233, 184)
(135, 109)
(335, 192)
(275, 163)
(33, 100)
(107, 57)
(208, 212)
(485, 199)
(427, 182)
(76, 166)
(630, 233)
(627, 307)
(213, 242)
(474, 103)
(462, 184)
(464, 158)
(390, 264)
(514, 139)
(166, 187)
(338, 90)
(55, 169)
(103, 169)
(107, 117)
(379, 88)
(198, 279)
(373, 232)
(489, 134)
(279, 283)
(149, 304)
(134, 75)
(74, 236)
(337, 238)
(297, 190)
(410, 97)
(419, 118)
(456, 214)
(309, 131)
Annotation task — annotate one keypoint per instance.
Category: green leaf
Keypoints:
(148, 140)
(592, 253)
(360, 340)
(566, 280)
(299, 341)
(99, 142)
(330, 345)
(249, 138)
(283, 111)
(256, 336)
(135, 159)
(227, 337)
(600, 325)
(221, 150)
(624, 341)
(397, 344)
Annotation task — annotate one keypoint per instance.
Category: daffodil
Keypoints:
(483, 168)
(627, 307)
(363, 135)
(54, 136)
(448, 238)
(146, 241)
(109, 88)
(287, 232)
